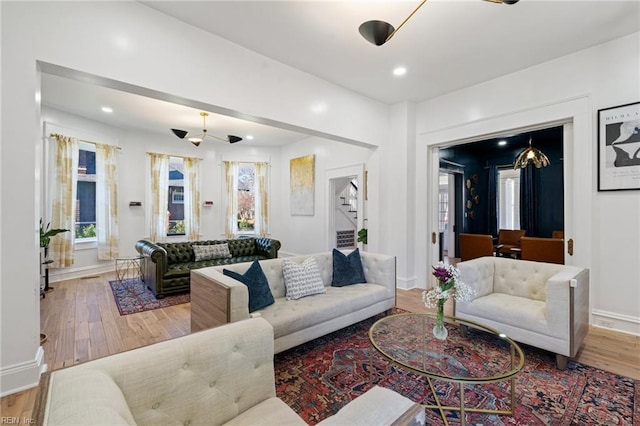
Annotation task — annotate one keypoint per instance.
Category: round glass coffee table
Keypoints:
(407, 341)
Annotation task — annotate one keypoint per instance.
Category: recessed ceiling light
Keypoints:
(502, 143)
(399, 71)
(107, 110)
(249, 137)
(319, 107)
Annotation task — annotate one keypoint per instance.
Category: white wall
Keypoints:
(298, 234)
(128, 42)
(573, 87)
(306, 234)
(132, 180)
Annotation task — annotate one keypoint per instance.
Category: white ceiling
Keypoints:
(132, 111)
(447, 45)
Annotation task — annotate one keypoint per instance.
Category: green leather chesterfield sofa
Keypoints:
(166, 267)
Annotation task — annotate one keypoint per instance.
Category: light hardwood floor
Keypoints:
(82, 323)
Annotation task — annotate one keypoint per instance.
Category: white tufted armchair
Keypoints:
(539, 304)
(222, 376)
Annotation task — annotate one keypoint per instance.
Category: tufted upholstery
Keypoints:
(541, 304)
(296, 321)
(219, 376)
(167, 266)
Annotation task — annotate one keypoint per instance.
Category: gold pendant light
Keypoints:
(530, 154)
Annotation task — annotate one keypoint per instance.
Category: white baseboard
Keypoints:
(23, 376)
(615, 321)
(406, 283)
(73, 273)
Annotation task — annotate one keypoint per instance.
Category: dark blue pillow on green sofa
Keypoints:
(347, 269)
(259, 292)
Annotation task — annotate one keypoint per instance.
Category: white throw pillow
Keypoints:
(303, 279)
(211, 251)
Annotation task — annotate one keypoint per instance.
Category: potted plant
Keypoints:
(362, 236)
(46, 233)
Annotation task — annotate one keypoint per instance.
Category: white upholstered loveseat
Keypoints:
(223, 376)
(217, 299)
(544, 305)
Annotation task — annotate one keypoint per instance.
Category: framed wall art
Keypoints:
(302, 185)
(619, 148)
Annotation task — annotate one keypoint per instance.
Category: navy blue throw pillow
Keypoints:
(347, 269)
(259, 292)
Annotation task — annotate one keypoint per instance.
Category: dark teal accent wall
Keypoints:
(477, 159)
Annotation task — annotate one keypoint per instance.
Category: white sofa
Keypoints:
(544, 305)
(223, 376)
(217, 299)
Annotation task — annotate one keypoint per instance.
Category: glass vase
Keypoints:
(439, 330)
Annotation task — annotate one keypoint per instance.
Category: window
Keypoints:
(175, 207)
(86, 193)
(509, 198)
(246, 205)
(443, 203)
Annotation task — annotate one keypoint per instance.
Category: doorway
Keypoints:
(345, 201)
(492, 188)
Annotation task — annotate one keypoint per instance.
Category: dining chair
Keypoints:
(475, 245)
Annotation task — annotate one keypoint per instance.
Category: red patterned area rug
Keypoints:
(318, 378)
(132, 296)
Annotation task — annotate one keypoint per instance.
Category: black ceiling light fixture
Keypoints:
(198, 138)
(379, 32)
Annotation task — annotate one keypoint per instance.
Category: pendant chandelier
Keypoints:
(196, 139)
(530, 154)
(379, 32)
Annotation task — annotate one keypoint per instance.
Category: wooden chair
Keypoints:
(550, 250)
(508, 239)
(475, 245)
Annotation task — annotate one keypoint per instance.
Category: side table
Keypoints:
(129, 268)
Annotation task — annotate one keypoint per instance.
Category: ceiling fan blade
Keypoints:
(234, 139)
(179, 133)
(376, 32)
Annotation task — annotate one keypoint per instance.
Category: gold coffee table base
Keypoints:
(391, 349)
(462, 409)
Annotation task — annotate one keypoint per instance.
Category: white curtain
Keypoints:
(261, 201)
(107, 205)
(158, 195)
(64, 172)
(192, 198)
(231, 175)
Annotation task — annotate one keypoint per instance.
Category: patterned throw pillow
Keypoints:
(347, 269)
(303, 279)
(260, 295)
(213, 251)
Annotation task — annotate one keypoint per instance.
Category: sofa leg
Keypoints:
(388, 312)
(561, 362)
(464, 331)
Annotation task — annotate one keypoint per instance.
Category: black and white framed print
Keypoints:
(619, 148)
